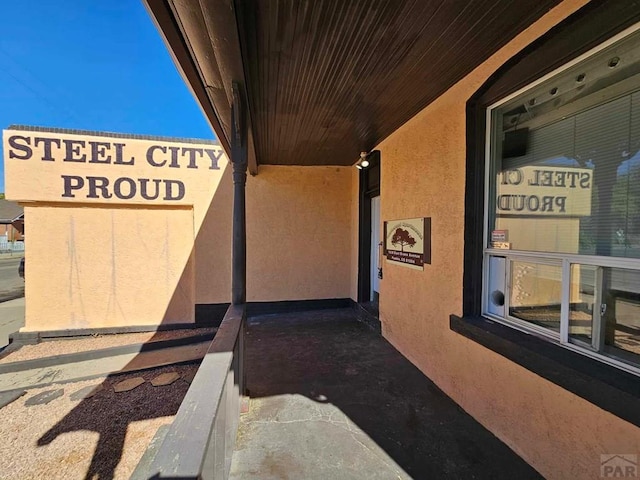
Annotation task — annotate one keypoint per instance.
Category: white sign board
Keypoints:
(544, 191)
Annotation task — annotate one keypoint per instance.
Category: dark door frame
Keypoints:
(369, 187)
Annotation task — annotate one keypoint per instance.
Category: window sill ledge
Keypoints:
(607, 387)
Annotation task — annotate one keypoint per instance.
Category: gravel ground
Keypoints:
(102, 437)
(58, 347)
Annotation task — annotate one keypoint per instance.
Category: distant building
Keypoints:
(11, 221)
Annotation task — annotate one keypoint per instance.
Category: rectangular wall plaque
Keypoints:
(407, 242)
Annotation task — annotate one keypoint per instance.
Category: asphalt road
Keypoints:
(11, 285)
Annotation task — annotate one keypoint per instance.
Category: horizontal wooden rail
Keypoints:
(201, 439)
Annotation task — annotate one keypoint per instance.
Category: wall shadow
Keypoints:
(329, 357)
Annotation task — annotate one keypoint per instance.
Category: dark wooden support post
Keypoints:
(239, 242)
(239, 161)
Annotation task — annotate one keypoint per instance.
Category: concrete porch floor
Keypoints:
(331, 399)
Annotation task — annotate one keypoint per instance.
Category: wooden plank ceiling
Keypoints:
(326, 79)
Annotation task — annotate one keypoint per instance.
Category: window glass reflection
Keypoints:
(535, 294)
(605, 311)
(566, 161)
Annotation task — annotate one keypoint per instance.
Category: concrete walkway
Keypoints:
(332, 399)
(16, 254)
(11, 319)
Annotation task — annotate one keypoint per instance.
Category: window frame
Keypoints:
(508, 319)
(564, 260)
(610, 388)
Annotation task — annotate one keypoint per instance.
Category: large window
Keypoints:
(562, 242)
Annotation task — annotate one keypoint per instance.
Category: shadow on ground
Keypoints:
(109, 414)
(377, 415)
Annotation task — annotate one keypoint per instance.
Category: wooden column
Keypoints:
(239, 161)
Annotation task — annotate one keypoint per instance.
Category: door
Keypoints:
(369, 230)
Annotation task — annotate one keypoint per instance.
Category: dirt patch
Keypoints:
(99, 437)
(84, 344)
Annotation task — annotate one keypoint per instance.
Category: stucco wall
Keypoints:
(299, 233)
(213, 246)
(115, 224)
(300, 241)
(97, 259)
(557, 432)
(104, 267)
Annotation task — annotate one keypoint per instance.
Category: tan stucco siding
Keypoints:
(113, 225)
(423, 172)
(99, 267)
(299, 233)
(213, 246)
(109, 260)
(300, 240)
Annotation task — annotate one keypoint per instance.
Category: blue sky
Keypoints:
(93, 65)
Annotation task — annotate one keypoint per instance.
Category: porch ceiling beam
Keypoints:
(202, 37)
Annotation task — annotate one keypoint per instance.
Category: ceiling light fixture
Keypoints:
(363, 162)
